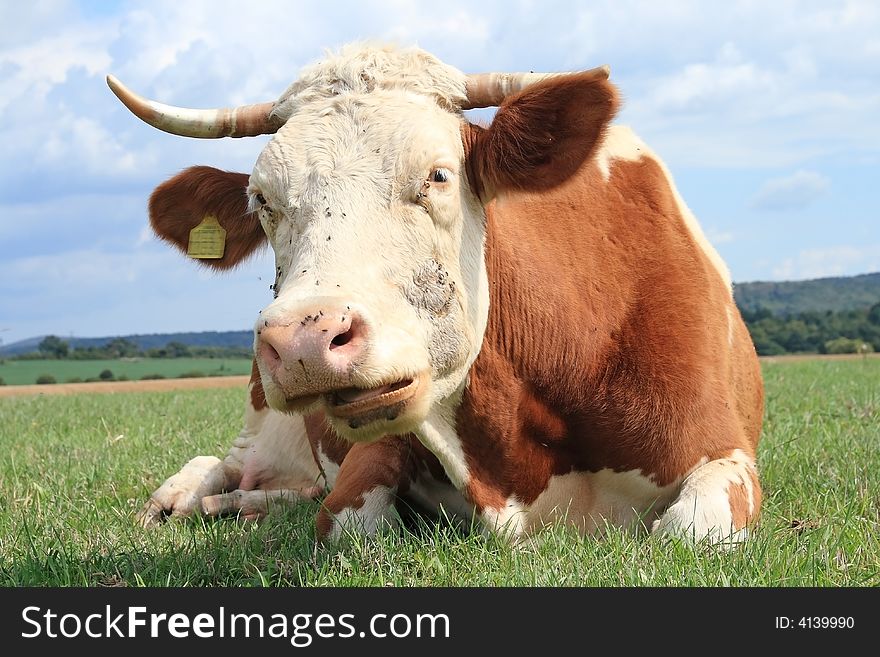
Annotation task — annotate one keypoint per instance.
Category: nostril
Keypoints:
(342, 339)
(350, 336)
(269, 353)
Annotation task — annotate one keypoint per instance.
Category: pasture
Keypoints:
(25, 372)
(75, 469)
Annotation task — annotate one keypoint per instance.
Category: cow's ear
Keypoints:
(540, 136)
(181, 203)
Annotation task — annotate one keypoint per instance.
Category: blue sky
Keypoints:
(766, 113)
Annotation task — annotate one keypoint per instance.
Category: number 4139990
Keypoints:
(815, 622)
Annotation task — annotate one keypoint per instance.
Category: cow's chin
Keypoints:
(365, 414)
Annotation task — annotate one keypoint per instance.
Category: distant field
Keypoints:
(24, 372)
(76, 468)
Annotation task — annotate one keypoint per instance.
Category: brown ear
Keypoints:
(179, 204)
(541, 136)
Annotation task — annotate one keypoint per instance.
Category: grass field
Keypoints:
(24, 372)
(75, 470)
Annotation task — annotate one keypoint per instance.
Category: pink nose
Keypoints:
(313, 351)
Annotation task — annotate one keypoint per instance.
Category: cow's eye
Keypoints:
(440, 175)
(261, 199)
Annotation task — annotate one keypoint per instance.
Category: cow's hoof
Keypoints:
(181, 494)
(151, 515)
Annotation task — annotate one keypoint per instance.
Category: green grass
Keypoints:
(75, 469)
(25, 372)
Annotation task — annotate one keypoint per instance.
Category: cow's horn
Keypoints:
(490, 89)
(244, 121)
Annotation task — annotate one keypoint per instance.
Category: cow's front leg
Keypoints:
(365, 490)
(267, 464)
(717, 502)
(255, 504)
(181, 494)
(270, 461)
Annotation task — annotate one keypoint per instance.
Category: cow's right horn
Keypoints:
(490, 89)
(243, 121)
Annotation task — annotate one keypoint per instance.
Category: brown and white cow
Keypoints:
(523, 322)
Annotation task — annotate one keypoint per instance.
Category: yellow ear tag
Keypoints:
(207, 240)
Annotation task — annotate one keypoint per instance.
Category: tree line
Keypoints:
(53, 347)
(828, 332)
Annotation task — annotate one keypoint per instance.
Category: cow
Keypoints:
(520, 323)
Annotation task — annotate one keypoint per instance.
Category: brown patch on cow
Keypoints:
(323, 525)
(365, 467)
(485, 493)
(419, 458)
(738, 498)
(540, 137)
(607, 343)
(757, 495)
(179, 204)
(321, 435)
(368, 465)
(393, 461)
(258, 395)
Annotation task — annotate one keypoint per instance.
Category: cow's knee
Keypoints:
(362, 515)
(717, 502)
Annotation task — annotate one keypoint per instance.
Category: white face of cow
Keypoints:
(381, 290)
(381, 287)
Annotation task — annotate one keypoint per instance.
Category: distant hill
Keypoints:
(244, 339)
(821, 294)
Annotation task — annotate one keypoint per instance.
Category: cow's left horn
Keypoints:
(490, 89)
(243, 121)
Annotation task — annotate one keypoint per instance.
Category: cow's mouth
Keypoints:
(360, 406)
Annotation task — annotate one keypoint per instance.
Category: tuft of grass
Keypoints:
(75, 469)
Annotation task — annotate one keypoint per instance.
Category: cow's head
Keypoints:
(372, 194)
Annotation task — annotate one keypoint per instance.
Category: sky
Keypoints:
(766, 113)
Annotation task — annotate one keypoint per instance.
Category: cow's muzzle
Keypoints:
(320, 353)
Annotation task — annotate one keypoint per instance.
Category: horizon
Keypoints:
(765, 115)
(249, 330)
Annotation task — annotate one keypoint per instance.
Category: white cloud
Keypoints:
(717, 237)
(789, 83)
(81, 138)
(71, 223)
(701, 86)
(831, 261)
(792, 192)
(43, 64)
